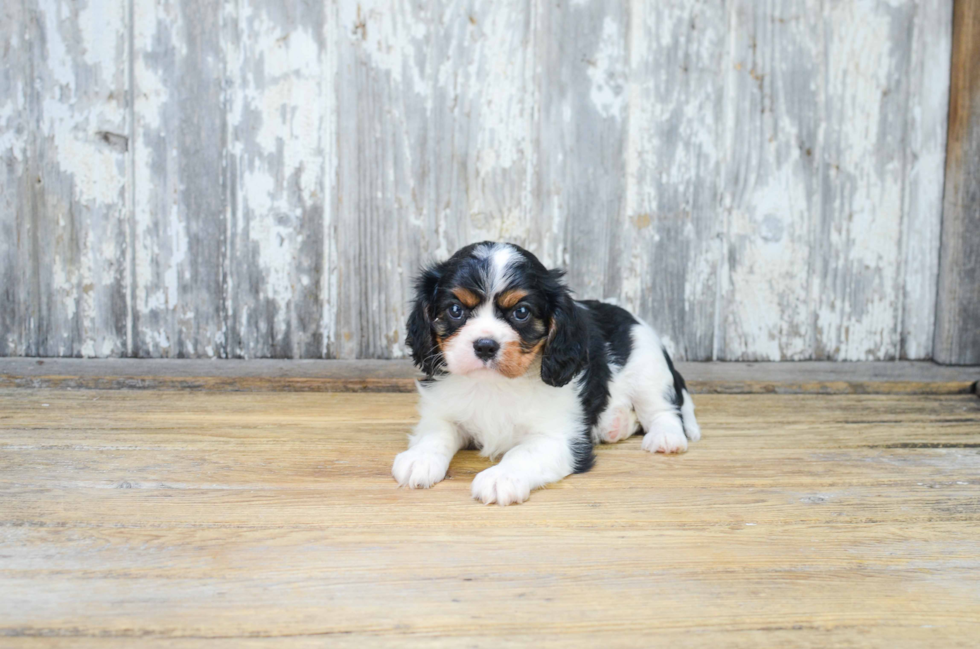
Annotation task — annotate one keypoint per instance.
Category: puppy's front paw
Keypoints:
(419, 469)
(665, 434)
(501, 486)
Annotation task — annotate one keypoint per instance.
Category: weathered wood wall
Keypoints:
(759, 179)
(958, 300)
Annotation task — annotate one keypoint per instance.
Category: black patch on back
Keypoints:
(615, 325)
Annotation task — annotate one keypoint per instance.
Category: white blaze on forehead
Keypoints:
(502, 259)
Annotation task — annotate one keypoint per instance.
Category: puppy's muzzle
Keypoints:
(486, 349)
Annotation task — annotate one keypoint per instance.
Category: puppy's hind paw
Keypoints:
(665, 434)
(618, 425)
(419, 469)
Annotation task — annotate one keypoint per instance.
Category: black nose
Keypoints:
(486, 348)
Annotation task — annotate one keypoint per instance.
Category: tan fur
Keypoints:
(509, 298)
(467, 297)
(514, 359)
(442, 342)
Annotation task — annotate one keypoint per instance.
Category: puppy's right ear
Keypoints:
(421, 336)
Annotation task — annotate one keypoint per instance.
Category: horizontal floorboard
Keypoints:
(262, 375)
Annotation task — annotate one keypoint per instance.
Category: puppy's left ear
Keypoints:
(567, 349)
(421, 337)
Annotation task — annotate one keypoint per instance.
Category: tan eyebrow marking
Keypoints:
(467, 297)
(510, 298)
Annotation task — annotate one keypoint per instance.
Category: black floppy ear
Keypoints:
(567, 349)
(421, 337)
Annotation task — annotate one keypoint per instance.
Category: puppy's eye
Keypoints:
(455, 312)
(521, 313)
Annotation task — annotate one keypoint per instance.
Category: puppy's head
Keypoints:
(493, 307)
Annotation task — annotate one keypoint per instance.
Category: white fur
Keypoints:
(502, 258)
(641, 387)
(527, 421)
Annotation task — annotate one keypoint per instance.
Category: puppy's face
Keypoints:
(490, 308)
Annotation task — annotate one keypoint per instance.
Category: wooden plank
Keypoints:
(281, 129)
(855, 283)
(954, 635)
(399, 376)
(182, 207)
(435, 157)
(927, 113)
(79, 83)
(819, 240)
(262, 519)
(582, 101)
(479, 146)
(958, 304)
(670, 247)
(18, 317)
(770, 185)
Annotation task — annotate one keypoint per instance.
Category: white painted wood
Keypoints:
(181, 180)
(18, 311)
(928, 108)
(77, 60)
(581, 70)
(759, 180)
(671, 238)
(772, 194)
(433, 150)
(855, 278)
(278, 110)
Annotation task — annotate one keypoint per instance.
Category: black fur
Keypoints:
(420, 337)
(615, 325)
(567, 351)
(593, 387)
(677, 398)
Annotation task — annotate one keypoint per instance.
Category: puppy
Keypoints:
(516, 367)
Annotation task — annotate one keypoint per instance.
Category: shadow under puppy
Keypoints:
(518, 368)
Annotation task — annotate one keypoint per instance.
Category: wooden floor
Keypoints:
(158, 519)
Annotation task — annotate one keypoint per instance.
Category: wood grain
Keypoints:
(67, 294)
(958, 320)
(759, 180)
(179, 519)
(18, 334)
(182, 174)
(903, 377)
(671, 242)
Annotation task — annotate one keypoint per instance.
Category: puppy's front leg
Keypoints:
(430, 449)
(533, 463)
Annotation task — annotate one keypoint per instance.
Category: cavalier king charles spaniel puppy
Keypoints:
(517, 368)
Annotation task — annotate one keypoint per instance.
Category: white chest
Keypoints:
(497, 413)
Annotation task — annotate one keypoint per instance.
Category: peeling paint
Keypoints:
(607, 72)
(756, 188)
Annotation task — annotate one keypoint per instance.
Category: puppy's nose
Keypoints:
(486, 348)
